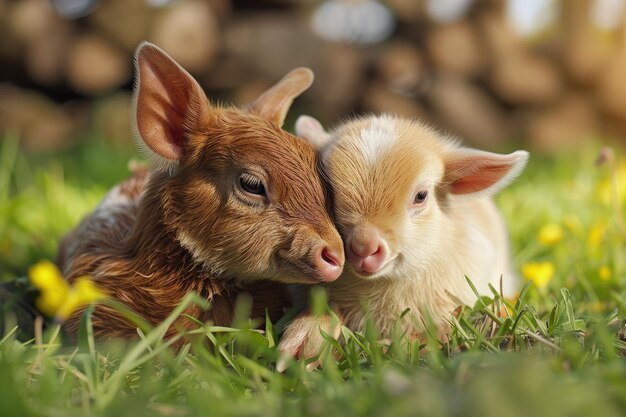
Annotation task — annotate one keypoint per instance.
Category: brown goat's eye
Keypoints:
(251, 184)
(420, 197)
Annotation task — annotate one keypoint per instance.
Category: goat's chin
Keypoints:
(302, 279)
(386, 271)
(289, 273)
(286, 273)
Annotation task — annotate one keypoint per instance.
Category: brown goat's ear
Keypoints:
(275, 102)
(469, 171)
(311, 129)
(168, 101)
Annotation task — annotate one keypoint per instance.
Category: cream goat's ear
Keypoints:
(312, 130)
(168, 102)
(469, 171)
(275, 102)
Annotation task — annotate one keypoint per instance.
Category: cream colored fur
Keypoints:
(472, 244)
(431, 250)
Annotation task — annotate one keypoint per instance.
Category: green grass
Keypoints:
(558, 352)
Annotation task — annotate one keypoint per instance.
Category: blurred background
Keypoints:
(550, 74)
(545, 75)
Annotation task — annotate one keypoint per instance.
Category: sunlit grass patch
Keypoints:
(557, 218)
(43, 198)
(555, 349)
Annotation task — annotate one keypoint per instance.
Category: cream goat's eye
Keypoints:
(251, 184)
(420, 197)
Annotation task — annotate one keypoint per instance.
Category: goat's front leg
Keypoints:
(303, 338)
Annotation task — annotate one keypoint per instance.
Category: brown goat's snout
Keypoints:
(328, 262)
(316, 259)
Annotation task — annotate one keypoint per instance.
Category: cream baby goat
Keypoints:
(414, 210)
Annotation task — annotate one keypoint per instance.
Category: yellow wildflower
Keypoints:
(596, 235)
(551, 234)
(604, 273)
(83, 292)
(53, 287)
(598, 306)
(57, 298)
(540, 273)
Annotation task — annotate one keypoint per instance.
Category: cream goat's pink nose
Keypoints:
(329, 263)
(365, 248)
(366, 251)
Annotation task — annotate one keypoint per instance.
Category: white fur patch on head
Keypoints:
(377, 138)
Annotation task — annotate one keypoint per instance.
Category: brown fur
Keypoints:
(160, 234)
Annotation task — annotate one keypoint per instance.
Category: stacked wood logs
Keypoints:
(474, 77)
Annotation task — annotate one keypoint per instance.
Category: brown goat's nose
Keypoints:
(329, 263)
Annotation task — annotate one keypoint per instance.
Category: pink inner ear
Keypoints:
(166, 96)
(158, 130)
(470, 171)
(312, 130)
(470, 176)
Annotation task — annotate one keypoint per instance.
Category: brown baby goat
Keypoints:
(234, 204)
